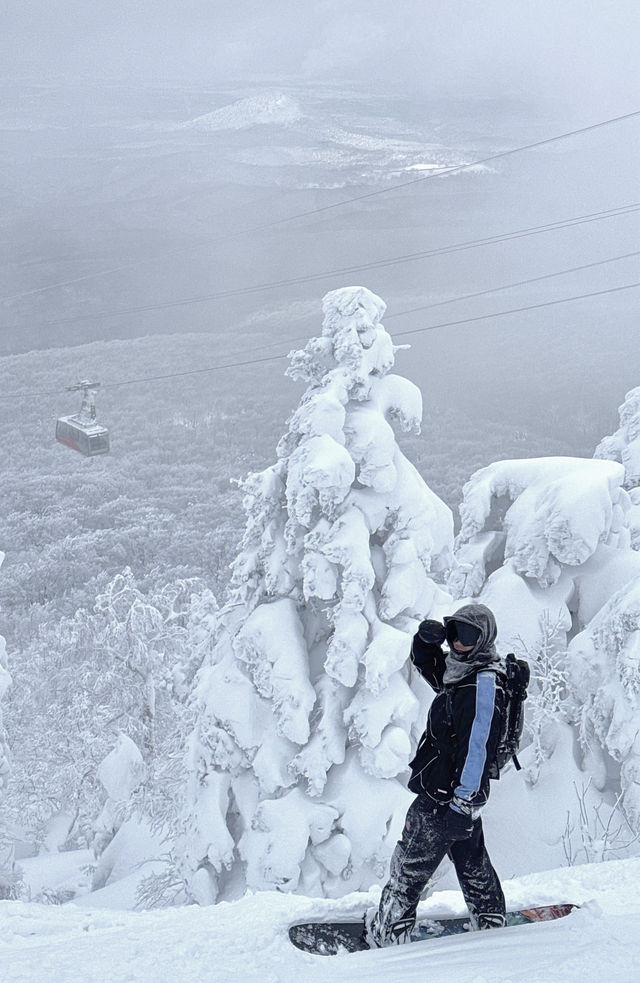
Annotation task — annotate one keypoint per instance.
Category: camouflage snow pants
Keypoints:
(423, 846)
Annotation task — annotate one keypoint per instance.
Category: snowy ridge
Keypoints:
(265, 108)
(248, 939)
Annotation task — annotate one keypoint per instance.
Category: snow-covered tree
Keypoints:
(548, 702)
(304, 708)
(6, 846)
(545, 543)
(125, 667)
(624, 446)
(543, 540)
(120, 774)
(604, 665)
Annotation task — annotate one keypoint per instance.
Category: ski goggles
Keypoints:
(460, 631)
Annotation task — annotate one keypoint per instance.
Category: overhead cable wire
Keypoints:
(399, 334)
(281, 355)
(560, 224)
(517, 283)
(303, 339)
(517, 310)
(275, 223)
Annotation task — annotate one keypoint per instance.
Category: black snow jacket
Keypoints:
(455, 754)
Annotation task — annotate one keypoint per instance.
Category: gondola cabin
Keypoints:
(89, 439)
(81, 432)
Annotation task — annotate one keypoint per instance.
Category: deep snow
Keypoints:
(247, 940)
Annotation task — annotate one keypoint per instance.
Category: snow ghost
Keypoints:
(305, 709)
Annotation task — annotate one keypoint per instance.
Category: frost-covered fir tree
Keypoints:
(6, 846)
(545, 538)
(604, 667)
(624, 446)
(127, 666)
(305, 708)
(545, 543)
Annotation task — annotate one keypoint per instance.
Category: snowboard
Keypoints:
(328, 938)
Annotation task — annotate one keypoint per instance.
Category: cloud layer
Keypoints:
(574, 51)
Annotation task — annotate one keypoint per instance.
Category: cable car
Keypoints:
(81, 432)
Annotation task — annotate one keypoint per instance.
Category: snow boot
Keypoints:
(397, 934)
(489, 919)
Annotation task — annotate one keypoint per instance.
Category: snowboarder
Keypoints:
(450, 776)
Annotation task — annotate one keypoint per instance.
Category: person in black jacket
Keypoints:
(450, 776)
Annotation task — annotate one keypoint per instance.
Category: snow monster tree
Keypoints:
(543, 538)
(545, 544)
(624, 446)
(305, 707)
(604, 662)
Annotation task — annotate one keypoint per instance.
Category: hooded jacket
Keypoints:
(457, 750)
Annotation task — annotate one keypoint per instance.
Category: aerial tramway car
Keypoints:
(81, 432)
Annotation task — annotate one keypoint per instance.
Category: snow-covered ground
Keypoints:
(247, 940)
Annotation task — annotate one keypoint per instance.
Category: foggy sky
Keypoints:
(568, 51)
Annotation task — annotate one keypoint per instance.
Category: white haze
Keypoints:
(99, 172)
(571, 52)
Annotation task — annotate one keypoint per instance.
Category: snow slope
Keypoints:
(247, 940)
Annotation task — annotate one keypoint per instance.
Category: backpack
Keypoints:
(516, 680)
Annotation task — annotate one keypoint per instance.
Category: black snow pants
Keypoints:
(423, 846)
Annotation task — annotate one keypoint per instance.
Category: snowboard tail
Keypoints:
(328, 938)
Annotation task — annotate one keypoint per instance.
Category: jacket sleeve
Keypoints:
(429, 660)
(478, 710)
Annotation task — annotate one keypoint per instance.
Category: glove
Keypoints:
(458, 825)
(432, 632)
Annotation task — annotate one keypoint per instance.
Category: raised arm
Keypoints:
(426, 652)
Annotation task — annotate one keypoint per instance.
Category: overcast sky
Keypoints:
(571, 51)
